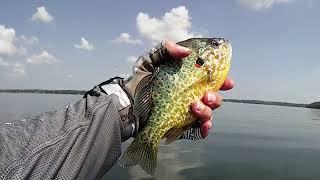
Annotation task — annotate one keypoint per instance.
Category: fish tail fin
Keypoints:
(140, 153)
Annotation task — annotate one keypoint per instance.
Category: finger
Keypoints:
(228, 84)
(213, 100)
(177, 51)
(205, 128)
(201, 111)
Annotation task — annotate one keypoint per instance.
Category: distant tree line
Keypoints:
(266, 102)
(315, 105)
(42, 91)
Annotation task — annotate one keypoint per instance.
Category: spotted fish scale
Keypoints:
(174, 87)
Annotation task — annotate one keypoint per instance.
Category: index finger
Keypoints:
(228, 84)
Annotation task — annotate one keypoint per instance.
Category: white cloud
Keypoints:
(12, 48)
(84, 44)
(13, 69)
(131, 59)
(7, 38)
(29, 40)
(261, 4)
(126, 38)
(124, 75)
(69, 76)
(18, 70)
(3, 63)
(11, 45)
(43, 58)
(174, 25)
(42, 15)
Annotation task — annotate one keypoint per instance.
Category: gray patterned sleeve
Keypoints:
(82, 141)
(193, 133)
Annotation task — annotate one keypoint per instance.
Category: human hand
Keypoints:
(204, 109)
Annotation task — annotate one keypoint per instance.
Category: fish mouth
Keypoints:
(221, 63)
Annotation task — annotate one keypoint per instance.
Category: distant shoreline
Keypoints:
(43, 91)
(315, 105)
(274, 103)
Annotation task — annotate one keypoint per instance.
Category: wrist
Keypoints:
(123, 102)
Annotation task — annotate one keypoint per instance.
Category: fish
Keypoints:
(172, 89)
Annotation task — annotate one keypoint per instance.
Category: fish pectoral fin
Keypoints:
(143, 101)
(174, 134)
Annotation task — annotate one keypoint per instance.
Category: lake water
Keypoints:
(255, 142)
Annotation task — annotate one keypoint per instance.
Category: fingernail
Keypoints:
(184, 49)
(231, 82)
(199, 106)
(210, 125)
(211, 98)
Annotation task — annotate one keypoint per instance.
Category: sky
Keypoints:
(76, 45)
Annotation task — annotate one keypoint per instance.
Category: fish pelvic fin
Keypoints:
(174, 134)
(140, 153)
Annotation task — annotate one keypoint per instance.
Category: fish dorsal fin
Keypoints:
(174, 134)
(143, 101)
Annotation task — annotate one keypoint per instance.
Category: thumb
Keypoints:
(176, 51)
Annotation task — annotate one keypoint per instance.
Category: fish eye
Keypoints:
(221, 40)
(215, 43)
(199, 62)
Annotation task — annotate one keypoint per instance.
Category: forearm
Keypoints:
(81, 141)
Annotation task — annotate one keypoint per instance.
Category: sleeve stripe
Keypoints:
(192, 134)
